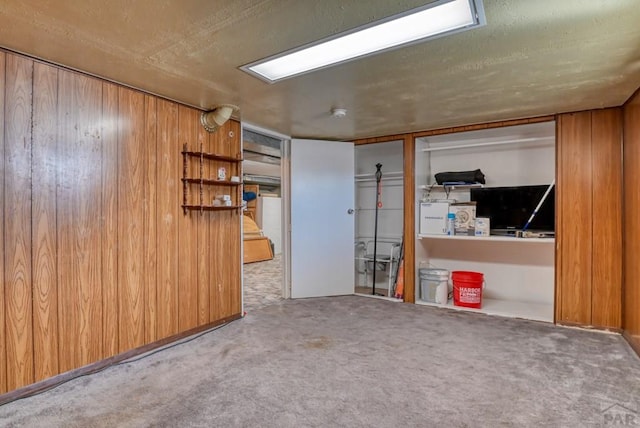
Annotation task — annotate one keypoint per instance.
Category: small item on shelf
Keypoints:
(434, 285)
(465, 213)
(475, 176)
(467, 288)
(235, 179)
(433, 218)
(222, 173)
(222, 201)
(482, 226)
(451, 224)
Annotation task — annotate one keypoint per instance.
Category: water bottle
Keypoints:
(451, 224)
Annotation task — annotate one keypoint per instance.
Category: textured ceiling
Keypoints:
(532, 58)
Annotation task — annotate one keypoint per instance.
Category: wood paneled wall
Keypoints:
(97, 255)
(589, 224)
(631, 309)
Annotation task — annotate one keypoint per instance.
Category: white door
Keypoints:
(322, 220)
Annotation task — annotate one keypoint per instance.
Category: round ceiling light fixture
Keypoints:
(338, 112)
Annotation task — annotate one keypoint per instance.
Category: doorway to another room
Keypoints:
(263, 265)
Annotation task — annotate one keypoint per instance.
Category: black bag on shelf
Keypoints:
(475, 176)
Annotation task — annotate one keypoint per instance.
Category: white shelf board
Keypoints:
(492, 238)
(484, 143)
(505, 308)
(450, 186)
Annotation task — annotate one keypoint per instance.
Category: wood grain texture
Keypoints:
(109, 223)
(606, 290)
(150, 220)
(574, 214)
(79, 234)
(169, 193)
(204, 244)
(218, 297)
(409, 183)
(3, 347)
(631, 290)
(90, 257)
(188, 229)
(45, 161)
(131, 173)
(17, 222)
(234, 236)
(231, 146)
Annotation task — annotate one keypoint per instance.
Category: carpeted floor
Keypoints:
(357, 362)
(262, 283)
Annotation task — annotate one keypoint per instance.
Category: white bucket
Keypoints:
(434, 285)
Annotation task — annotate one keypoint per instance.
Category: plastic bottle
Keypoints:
(451, 224)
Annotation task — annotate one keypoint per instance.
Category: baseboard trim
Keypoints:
(56, 380)
(634, 342)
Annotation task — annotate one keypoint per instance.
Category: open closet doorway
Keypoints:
(263, 217)
(379, 195)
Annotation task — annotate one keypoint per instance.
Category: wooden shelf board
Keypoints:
(505, 308)
(211, 182)
(492, 238)
(210, 207)
(211, 156)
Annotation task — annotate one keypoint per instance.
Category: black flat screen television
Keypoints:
(509, 208)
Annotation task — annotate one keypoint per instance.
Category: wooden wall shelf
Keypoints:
(210, 182)
(211, 156)
(210, 207)
(201, 181)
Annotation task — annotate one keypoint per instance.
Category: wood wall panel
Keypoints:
(17, 222)
(150, 220)
(631, 297)
(574, 214)
(3, 348)
(45, 162)
(187, 224)
(227, 279)
(79, 197)
(169, 194)
(131, 173)
(109, 220)
(204, 245)
(606, 289)
(232, 232)
(90, 220)
(216, 242)
(589, 229)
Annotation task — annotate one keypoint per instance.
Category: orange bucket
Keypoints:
(467, 288)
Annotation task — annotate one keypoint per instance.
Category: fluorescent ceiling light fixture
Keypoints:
(416, 25)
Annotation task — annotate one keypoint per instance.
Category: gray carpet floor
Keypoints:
(357, 362)
(262, 283)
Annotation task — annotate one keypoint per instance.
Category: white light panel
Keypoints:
(435, 19)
